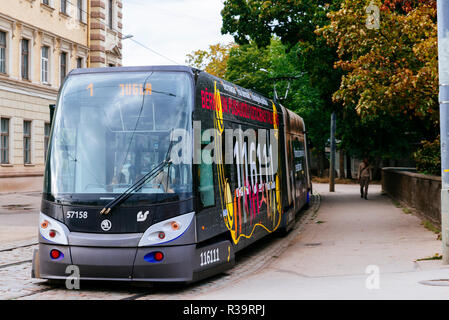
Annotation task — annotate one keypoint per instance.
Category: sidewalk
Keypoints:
(329, 260)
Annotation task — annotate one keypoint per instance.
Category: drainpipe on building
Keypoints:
(443, 71)
(88, 33)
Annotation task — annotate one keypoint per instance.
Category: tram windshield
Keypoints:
(112, 128)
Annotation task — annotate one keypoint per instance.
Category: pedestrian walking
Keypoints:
(365, 176)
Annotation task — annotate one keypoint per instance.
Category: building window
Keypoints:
(2, 52)
(44, 64)
(79, 63)
(64, 6)
(4, 141)
(46, 138)
(63, 66)
(27, 142)
(111, 10)
(80, 10)
(25, 58)
(47, 2)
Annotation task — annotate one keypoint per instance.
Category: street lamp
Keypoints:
(129, 36)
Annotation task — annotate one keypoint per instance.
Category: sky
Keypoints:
(172, 28)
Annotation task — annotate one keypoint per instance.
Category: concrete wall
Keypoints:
(419, 191)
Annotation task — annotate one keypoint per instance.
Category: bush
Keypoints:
(428, 157)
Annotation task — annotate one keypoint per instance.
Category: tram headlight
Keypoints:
(167, 230)
(53, 230)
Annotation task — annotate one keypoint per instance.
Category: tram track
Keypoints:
(3, 266)
(19, 247)
(33, 293)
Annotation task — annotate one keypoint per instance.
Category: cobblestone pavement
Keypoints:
(16, 281)
(19, 216)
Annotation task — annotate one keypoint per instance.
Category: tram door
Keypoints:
(291, 174)
(298, 168)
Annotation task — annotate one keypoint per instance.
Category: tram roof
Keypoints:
(167, 68)
(133, 69)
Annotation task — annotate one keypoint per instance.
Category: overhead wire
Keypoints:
(119, 32)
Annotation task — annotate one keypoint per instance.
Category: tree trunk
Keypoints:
(342, 164)
(348, 166)
(320, 163)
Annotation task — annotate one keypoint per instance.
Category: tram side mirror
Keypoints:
(52, 108)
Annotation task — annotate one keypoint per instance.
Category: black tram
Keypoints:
(163, 173)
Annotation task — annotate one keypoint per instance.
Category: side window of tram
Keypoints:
(298, 153)
(206, 180)
(206, 185)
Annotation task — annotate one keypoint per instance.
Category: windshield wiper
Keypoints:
(139, 183)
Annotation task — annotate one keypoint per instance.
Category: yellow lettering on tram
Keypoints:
(135, 89)
(91, 88)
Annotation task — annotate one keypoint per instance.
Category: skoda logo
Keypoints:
(106, 225)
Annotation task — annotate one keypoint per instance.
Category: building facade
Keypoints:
(40, 42)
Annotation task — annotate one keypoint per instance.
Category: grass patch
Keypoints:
(406, 210)
(437, 256)
(396, 203)
(337, 180)
(429, 226)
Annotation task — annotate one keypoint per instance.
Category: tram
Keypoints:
(163, 173)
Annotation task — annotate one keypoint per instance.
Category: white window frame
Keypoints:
(6, 52)
(83, 61)
(27, 34)
(67, 9)
(6, 26)
(47, 60)
(30, 142)
(110, 11)
(10, 140)
(48, 41)
(30, 45)
(51, 3)
(67, 64)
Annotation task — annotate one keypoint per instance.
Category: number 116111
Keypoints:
(209, 256)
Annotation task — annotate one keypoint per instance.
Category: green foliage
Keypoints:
(391, 69)
(380, 82)
(294, 23)
(244, 68)
(214, 60)
(428, 157)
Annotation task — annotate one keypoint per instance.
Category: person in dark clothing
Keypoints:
(365, 176)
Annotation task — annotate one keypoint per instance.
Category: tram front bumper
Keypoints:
(182, 263)
(120, 264)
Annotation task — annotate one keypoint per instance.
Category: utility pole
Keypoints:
(443, 71)
(333, 148)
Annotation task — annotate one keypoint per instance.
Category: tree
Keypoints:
(244, 68)
(390, 81)
(391, 70)
(213, 61)
(294, 23)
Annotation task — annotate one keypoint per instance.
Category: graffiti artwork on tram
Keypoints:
(255, 159)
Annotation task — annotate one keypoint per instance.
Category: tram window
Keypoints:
(206, 185)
